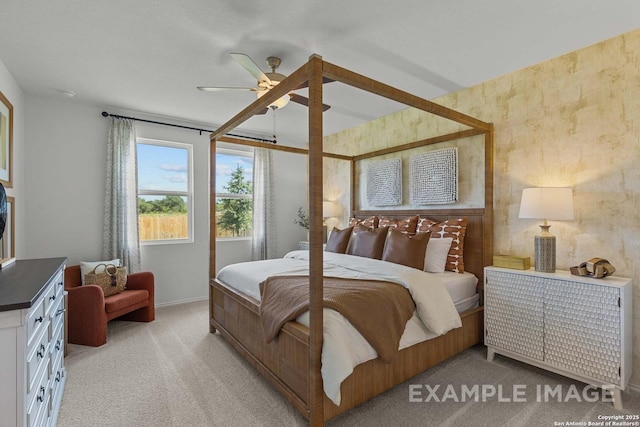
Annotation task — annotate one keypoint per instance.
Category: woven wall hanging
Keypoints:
(434, 177)
(384, 182)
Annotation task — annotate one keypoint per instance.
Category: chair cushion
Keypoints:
(124, 299)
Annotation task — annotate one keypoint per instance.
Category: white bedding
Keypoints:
(343, 346)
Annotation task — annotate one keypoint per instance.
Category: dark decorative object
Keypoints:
(3, 210)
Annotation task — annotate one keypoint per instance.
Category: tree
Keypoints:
(168, 205)
(236, 214)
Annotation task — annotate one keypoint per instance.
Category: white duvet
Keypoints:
(343, 346)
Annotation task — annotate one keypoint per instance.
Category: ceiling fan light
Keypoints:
(281, 102)
(278, 103)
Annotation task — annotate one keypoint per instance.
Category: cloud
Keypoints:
(174, 168)
(182, 177)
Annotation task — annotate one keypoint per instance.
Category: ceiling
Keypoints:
(149, 55)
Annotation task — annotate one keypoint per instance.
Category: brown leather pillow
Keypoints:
(338, 240)
(406, 250)
(352, 241)
(370, 243)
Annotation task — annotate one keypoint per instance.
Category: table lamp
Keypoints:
(329, 210)
(546, 203)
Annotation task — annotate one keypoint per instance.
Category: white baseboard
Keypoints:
(634, 387)
(183, 301)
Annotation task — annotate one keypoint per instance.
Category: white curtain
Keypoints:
(120, 238)
(264, 232)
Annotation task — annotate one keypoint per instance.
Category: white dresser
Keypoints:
(576, 326)
(32, 374)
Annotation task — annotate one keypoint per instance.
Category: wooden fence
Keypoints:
(163, 227)
(167, 227)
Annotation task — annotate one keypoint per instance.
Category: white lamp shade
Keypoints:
(547, 203)
(330, 209)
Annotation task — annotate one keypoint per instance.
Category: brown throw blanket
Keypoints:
(378, 310)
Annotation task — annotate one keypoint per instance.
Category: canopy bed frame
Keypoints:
(292, 363)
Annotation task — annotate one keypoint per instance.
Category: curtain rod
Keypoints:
(105, 114)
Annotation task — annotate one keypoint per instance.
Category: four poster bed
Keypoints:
(292, 362)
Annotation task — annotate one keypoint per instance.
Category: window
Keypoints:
(165, 191)
(234, 193)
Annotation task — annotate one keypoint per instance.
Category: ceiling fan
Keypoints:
(266, 82)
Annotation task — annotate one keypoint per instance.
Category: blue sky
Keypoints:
(226, 163)
(165, 168)
(162, 168)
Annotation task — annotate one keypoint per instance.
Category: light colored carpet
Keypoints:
(172, 372)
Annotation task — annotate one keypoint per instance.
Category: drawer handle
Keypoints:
(52, 298)
(41, 352)
(58, 376)
(60, 283)
(58, 345)
(39, 319)
(59, 312)
(41, 394)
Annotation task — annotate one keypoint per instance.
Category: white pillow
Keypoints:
(435, 258)
(87, 267)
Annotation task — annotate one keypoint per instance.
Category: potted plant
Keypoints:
(302, 220)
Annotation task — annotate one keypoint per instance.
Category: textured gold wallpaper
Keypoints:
(571, 121)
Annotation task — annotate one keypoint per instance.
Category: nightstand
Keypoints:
(576, 326)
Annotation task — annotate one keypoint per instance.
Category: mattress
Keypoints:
(246, 277)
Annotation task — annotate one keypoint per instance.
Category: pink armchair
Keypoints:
(89, 310)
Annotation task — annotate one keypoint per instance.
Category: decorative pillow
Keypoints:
(454, 228)
(338, 240)
(370, 244)
(436, 256)
(352, 240)
(406, 250)
(371, 222)
(406, 225)
(88, 266)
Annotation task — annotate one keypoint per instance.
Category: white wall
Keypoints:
(65, 154)
(9, 87)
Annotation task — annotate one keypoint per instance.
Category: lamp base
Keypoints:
(545, 253)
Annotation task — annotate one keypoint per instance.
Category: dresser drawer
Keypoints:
(56, 347)
(37, 361)
(49, 297)
(58, 282)
(39, 400)
(57, 315)
(36, 320)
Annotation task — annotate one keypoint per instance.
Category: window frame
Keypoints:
(188, 194)
(243, 153)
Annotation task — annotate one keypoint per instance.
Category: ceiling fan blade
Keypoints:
(221, 88)
(306, 84)
(263, 111)
(251, 67)
(299, 99)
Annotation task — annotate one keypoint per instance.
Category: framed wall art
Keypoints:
(6, 141)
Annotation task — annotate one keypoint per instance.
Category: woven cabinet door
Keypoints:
(583, 329)
(514, 315)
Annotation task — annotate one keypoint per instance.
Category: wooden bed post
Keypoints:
(316, 392)
(212, 227)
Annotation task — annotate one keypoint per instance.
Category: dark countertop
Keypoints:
(22, 282)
